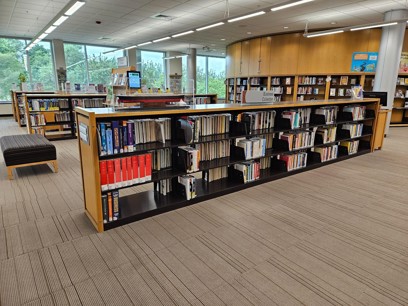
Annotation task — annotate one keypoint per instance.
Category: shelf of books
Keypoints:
(230, 90)
(186, 156)
(240, 87)
(19, 107)
(311, 87)
(258, 83)
(340, 85)
(283, 87)
(119, 80)
(52, 115)
(399, 115)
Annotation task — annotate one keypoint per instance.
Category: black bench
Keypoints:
(27, 150)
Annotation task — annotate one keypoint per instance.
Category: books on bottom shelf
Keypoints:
(213, 150)
(327, 153)
(302, 139)
(37, 119)
(294, 161)
(258, 120)
(357, 111)
(351, 146)
(297, 117)
(253, 148)
(164, 187)
(250, 170)
(110, 206)
(329, 113)
(161, 158)
(126, 171)
(215, 174)
(188, 186)
(38, 130)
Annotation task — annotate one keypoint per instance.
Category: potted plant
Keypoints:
(22, 78)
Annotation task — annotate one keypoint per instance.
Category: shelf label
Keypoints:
(83, 133)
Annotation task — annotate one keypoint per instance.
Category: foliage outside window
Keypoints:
(201, 75)
(153, 71)
(210, 75)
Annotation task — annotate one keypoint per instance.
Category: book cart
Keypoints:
(52, 115)
(334, 130)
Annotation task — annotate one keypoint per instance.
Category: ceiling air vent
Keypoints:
(162, 16)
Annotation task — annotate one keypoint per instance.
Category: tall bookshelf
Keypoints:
(240, 87)
(399, 115)
(119, 81)
(52, 115)
(311, 87)
(258, 83)
(351, 125)
(230, 95)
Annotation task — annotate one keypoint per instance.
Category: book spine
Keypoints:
(103, 138)
(130, 137)
(142, 168)
(124, 172)
(115, 205)
(105, 208)
(121, 145)
(148, 164)
(118, 174)
(125, 137)
(103, 169)
(116, 139)
(111, 174)
(109, 141)
(135, 167)
(110, 208)
(129, 170)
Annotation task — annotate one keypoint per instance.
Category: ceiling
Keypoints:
(129, 22)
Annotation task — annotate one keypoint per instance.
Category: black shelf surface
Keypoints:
(148, 203)
(60, 137)
(341, 140)
(354, 121)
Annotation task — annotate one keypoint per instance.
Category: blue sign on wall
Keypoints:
(364, 61)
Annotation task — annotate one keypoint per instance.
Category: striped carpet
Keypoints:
(337, 235)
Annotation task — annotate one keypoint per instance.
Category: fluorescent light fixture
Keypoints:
(145, 43)
(210, 26)
(76, 6)
(131, 47)
(247, 16)
(36, 41)
(60, 20)
(282, 7)
(184, 33)
(42, 36)
(180, 56)
(50, 29)
(323, 33)
(169, 57)
(161, 39)
(374, 26)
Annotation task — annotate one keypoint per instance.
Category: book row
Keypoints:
(278, 81)
(253, 147)
(89, 103)
(127, 171)
(327, 153)
(47, 104)
(122, 136)
(340, 92)
(307, 80)
(307, 90)
(298, 140)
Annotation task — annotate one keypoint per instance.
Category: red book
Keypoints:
(110, 207)
(142, 167)
(124, 172)
(111, 174)
(129, 170)
(103, 170)
(148, 163)
(118, 173)
(135, 166)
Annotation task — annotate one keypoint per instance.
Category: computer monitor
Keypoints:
(382, 95)
(134, 79)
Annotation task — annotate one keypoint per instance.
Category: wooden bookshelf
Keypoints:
(340, 85)
(138, 205)
(311, 87)
(119, 81)
(53, 115)
(18, 104)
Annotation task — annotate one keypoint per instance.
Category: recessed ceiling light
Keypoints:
(223, 53)
(333, 22)
(249, 33)
(224, 38)
(286, 28)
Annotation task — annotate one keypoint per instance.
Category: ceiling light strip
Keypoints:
(247, 16)
(182, 34)
(281, 7)
(210, 26)
(161, 39)
(144, 44)
(374, 26)
(323, 33)
(76, 6)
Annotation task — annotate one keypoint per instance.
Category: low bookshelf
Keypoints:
(191, 155)
(52, 115)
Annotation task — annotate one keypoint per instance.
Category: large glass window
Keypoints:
(100, 65)
(216, 76)
(75, 60)
(41, 65)
(153, 71)
(201, 73)
(11, 65)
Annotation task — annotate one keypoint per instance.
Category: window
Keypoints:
(11, 65)
(41, 65)
(201, 74)
(153, 72)
(210, 75)
(75, 60)
(100, 65)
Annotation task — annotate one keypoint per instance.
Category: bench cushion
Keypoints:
(24, 149)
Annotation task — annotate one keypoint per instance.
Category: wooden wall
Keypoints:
(289, 54)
